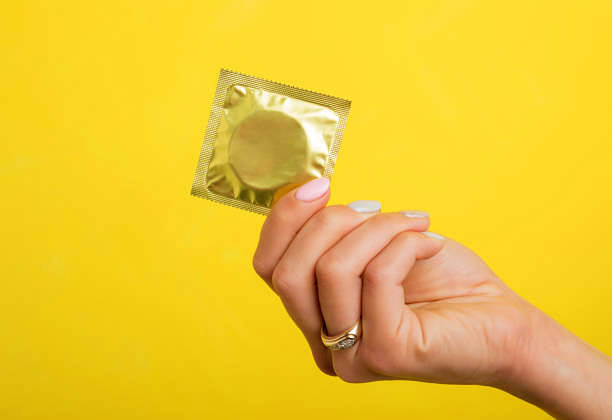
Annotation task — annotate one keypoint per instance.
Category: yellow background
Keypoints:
(123, 297)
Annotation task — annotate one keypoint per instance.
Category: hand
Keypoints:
(295, 235)
(431, 310)
(444, 318)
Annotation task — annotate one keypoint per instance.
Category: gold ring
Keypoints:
(342, 341)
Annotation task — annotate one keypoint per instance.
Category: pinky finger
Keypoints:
(383, 301)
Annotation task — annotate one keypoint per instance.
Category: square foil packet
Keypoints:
(264, 139)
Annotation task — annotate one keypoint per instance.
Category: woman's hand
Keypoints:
(431, 309)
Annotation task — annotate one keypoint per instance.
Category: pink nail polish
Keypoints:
(312, 190)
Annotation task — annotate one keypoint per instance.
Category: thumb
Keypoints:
(287, 217)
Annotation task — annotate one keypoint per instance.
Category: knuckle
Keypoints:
(261, 267)
(281, 280)
(409, 242)
(328, 268)
(375, 274)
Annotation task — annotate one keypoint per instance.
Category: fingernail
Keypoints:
(434, 235)
(312, 190)
(365, 206)
(415, 213)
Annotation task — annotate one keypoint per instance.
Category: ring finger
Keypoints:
(339, 270)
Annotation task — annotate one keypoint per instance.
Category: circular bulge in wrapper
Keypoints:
(268, 150)
(264, 139)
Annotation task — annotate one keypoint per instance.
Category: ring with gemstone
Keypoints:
(342, 341)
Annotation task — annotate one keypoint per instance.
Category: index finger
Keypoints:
(288, 215)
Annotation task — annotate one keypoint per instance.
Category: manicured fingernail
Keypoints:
(312, 190)
(415, 213)
(434, 235)
(365, 206)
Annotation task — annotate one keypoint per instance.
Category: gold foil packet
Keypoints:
(264, 139)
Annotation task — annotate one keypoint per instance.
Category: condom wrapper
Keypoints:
(264, 139)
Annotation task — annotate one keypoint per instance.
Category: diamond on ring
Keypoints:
(345, 344)
(343, 341)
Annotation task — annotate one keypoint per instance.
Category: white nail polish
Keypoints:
(434, 235)
(365, 206)
(415, 214)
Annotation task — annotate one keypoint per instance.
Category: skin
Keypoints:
(431, 309)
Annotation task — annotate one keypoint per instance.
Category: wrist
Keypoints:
(557, 371)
